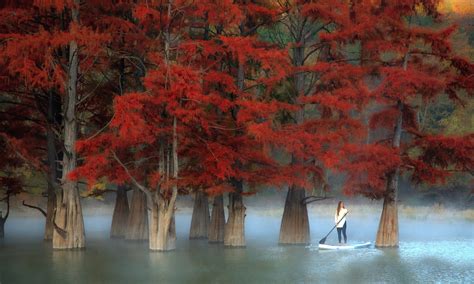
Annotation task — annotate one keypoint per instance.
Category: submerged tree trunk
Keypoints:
(137, 224)
(294, 227)
(2, 228)
(69, 223)
(3, 220)
(53, 112)
(234, 230)
(50, 207)
(200, 219)
(121, 214)
(387, 234)
(163, 228)
(216, 228)
(295, 223)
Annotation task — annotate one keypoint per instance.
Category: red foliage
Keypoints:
(202, 63)
(414, 64)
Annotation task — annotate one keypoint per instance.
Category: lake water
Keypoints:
(430, 251)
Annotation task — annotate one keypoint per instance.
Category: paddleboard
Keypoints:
(345, 246)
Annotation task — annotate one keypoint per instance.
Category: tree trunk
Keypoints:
(294, 228)
(53, 112)
(69, 233)
(234, 230)
(2, 227)
(121, 214)
(387, 234)
(50, 208)
(162, 228)
(137, 224)
(200, 219)
(216, 228)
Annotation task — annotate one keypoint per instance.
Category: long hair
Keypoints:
(339, 206)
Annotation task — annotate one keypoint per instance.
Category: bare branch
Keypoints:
(35, 207)
(135, 182)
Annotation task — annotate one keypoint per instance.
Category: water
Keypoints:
(430, 252)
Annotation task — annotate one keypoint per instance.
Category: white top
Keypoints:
(337, 218)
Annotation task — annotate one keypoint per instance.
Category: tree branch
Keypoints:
(35, 207)
(137, 184)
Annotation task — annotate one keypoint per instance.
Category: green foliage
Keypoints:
(460, 121)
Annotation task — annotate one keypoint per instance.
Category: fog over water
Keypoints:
(436, 249)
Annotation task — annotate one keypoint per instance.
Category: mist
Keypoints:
(436, 245)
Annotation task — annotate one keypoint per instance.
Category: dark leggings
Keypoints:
(343, 229)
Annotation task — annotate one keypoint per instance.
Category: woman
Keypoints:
(340, 220)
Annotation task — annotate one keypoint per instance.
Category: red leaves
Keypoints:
(367, 167)
(218, 12)
(404, 84)
(184, 64)
(129, 121)
(445, 152)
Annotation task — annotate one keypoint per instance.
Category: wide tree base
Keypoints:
(387, 234)
(200, 219)
(162, 230)
(2, 229)
(294, 228)
(234, 231)
(137, 224)
(70, 231)
(216, 228)
(121, 214)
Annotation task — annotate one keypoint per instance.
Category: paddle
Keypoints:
(323, 240)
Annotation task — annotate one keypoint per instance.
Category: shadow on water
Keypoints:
(374, 266)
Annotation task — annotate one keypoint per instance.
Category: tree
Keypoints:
(124, 68)
(45, 56)
(10, 179)
(151, 143)
(29, 94)
(412, 63)
(325, 91)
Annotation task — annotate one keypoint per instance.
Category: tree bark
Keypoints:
(54, 108)
(234, 230)
(2, 228)
(387, 234)
(3, 220)
(200, 219)
(121, 214)
(137, 224)
(216, 228)
(294, 228)
(69, 233)
(163, 228)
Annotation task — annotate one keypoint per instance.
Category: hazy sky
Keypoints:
(458, 6)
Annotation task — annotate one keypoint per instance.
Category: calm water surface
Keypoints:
(430, 252)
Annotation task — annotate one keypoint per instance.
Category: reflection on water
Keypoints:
(445, 253)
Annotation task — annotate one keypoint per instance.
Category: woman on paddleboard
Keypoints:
(340, 220)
